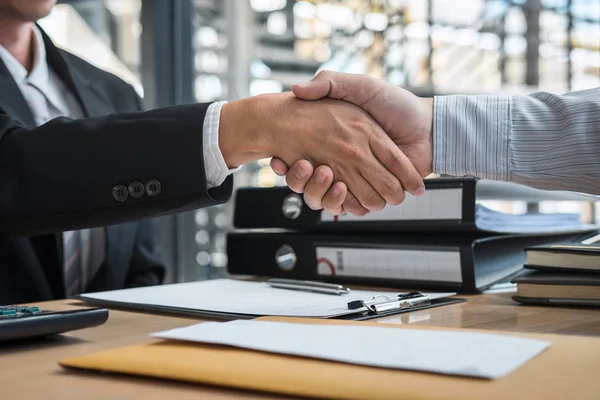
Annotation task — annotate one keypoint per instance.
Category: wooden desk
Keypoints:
(30, 370)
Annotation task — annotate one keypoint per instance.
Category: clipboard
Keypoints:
(226, 299)
(378, 306)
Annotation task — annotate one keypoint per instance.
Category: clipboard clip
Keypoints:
(401, 302)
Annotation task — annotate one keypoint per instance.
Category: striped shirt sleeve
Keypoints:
(541, 140)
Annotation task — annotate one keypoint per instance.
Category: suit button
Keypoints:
(119, 193)
(136, 189)
(153, 188)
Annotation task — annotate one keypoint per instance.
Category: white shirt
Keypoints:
(62, 102)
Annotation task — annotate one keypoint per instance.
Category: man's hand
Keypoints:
(406, 118)
(326, 132)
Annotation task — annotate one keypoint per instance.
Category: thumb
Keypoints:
(360, 90)
(312, 90)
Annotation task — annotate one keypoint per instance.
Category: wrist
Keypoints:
(241, 139)
(427, 103)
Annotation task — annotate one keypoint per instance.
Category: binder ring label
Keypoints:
(285, 257)
(292, 206)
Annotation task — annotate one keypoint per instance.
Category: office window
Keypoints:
(490, 46)
(248, 47)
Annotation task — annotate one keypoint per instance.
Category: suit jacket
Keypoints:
(42, 194)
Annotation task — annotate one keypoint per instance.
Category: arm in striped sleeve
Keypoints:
(541, 140)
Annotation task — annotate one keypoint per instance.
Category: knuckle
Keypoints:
(401, 196)
(393, 186)
(353, 151)
(325, 74)
(394, 191)
(323, 175)
(396, 161)
(352, 206)
(374, 202)
(360, 125)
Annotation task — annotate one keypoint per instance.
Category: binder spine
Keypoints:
(294, 256)
(257, 208)
(272, 208)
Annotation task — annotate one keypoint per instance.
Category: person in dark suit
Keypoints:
(92, 159)
(56, 265)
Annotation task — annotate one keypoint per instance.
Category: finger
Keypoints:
(312, 90)
(279, 167)
(352, 205)
(387, 186)
(317, 186)
(400, 168)
(368, 197)
(334, 198)
(297, 177)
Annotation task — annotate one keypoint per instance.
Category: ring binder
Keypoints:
(404, 301)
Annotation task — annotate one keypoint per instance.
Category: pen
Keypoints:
(308, 286)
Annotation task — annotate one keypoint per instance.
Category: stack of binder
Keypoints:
(444, 240)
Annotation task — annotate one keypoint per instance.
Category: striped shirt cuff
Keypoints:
(215, 168)
(471, 136)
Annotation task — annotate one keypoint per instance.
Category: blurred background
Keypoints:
(183, 51)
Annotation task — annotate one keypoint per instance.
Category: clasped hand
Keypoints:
(372, 148)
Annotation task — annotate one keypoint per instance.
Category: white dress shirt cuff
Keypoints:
(471, 136)
(215, 168)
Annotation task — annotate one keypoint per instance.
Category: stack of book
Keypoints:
(562, 274)
(445, 240)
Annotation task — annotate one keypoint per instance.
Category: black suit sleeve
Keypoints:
(146, 266)
(60, 176)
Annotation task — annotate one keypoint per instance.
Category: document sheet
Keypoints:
(480, 355)
(239, 297)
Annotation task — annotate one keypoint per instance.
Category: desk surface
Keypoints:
(30, 369)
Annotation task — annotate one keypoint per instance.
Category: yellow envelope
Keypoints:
(567, 370)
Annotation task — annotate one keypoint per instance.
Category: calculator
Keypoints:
(20, 322)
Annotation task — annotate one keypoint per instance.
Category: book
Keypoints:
(544, 288)
(448, 205)
(428, 262)
(581, 255)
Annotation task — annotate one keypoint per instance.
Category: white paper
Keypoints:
(480, 355)
(435, 204)
(240, 297)
(402, 264)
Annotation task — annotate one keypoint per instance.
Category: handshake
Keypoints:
(350, 143)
